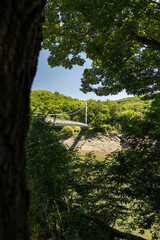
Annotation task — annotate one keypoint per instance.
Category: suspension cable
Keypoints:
(74, 111)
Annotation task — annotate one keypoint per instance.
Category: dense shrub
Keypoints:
(67, 132)
(131, 121)
(106, 127)
(55, 173)
(47, 175)
(118, 127)
(64, 185)
(76, 129)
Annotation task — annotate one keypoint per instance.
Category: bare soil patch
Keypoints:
(106, 143)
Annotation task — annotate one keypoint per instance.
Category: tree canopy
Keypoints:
(137, 168)
(102, 115)
(120, 37)
(122, 40)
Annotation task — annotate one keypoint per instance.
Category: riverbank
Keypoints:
(98, 143)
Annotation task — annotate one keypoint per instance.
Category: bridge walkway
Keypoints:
(63, 122)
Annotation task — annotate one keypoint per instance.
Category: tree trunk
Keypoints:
(20, 37)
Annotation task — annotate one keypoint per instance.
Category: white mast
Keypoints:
(86, 113)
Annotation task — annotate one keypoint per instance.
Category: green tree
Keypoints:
(130, 121)
(98, 121)
(98, 113)
(115, 110)
(137, 168)
(47, 175)
(56, 103)
(122, 40)
(68, 190)
(120, 37)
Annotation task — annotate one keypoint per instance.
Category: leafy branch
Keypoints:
(110, 230)
(145, 40)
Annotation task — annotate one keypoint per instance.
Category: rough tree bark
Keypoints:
(20, 37)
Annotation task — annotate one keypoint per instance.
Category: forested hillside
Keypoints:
(47, 102)
(102, 115)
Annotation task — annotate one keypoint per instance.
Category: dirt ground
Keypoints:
(101, 143)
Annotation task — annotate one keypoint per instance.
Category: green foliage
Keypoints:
(54, 173)
(118, 128)
(99, 112)
(47, 102)
(115, 110)
(112, 189)
(47, 175)
(98, 120)
(67, 132)
(121, 38)
(106, 127)
(130, 121)
(137, 104)
(137, 168)
(76, 129)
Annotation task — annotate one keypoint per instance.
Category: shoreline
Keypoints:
(106, 143)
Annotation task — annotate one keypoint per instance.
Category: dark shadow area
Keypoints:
(81, 133)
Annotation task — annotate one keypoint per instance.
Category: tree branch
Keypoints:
(110, 230)
(71, 36)
(144, 40)
(151, 1)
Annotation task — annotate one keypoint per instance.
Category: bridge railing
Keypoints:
(62, 122)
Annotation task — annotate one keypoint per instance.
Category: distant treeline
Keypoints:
(102, 115)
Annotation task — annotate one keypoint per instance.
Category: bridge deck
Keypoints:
(62, 122)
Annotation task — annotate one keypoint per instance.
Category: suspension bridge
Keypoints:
(53, 118)
(62, 122)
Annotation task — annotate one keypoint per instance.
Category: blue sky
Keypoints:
(64, 81)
